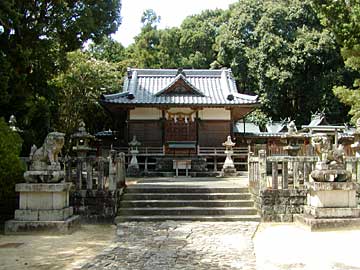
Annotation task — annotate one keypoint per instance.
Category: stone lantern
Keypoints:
(133, 168)
(82, 141)
(356, 144)
(228, 169)
(292, 138)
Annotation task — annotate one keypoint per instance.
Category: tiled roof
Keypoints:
(142, 87)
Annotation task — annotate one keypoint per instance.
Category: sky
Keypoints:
(172, 13)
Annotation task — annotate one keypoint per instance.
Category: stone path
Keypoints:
(180, 245)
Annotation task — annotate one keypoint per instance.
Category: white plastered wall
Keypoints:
(145, 114)
(215, 114)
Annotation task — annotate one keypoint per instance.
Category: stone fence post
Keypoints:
(100, 161)
(262, 169)
(112, 170)
(120, 170)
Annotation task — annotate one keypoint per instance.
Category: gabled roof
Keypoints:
(318, 119)
(276, 127)
(320, 124)
(159, 87)
(180, 86)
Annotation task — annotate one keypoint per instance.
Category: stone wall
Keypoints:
(279, 205)
(95, 206)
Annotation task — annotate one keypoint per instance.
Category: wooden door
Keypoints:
(180, 131)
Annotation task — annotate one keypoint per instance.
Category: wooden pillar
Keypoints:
(127, 139)
(163, 127)
(197, 127)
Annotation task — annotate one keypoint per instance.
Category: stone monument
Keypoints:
(228, 169)
(44, 199)
(331, 198)
(292, 137)
(133, 168)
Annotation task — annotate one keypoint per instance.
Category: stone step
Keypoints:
(183, 203)
(186, 196)
(187, 211)
(255, 218)
(183, 189)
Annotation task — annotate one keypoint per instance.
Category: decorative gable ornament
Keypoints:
(180, 86)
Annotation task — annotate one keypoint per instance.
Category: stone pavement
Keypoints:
(55, 252)
(285, 246)
(180, 245)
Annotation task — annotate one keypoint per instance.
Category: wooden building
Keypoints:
(179, 110)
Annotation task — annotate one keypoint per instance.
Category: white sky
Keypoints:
(172, 13)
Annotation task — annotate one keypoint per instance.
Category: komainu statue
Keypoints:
(44, 163)
(330, 166)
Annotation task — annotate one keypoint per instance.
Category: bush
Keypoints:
(11, 167)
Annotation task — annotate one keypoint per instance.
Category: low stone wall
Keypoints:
(279, 205)
(95, 206)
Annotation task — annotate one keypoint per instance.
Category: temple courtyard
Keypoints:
(184, 245)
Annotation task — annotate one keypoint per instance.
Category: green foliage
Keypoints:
(197, 38)
(190, 46)
(80, 87)
(11, 167)
(108, 50)
(280, 51)
(37, 35)
(343, 19)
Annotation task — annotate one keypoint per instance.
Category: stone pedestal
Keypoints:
(330, 205)
(228, 169)
(43, 208)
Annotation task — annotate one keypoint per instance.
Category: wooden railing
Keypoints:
(220, 151)
(143, 151)
(288, 172)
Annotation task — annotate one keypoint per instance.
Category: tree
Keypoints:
(343, 19)
(11, 167)
(33, 44)
(80, 87)
(108, 50)
(197, 38)
(280, 51)
(144, 52)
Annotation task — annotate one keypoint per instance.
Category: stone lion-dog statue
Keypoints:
(44, 161)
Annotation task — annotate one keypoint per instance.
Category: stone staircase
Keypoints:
(143, 202)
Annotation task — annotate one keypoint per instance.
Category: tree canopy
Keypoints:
(281, 52)
(79, 88)
(343, 19)
(290, 53)
(11, 167)
(34, 41)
